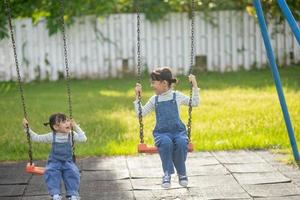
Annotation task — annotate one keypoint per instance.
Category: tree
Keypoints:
(154, 10)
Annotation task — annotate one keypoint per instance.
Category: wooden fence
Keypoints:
(106, 47)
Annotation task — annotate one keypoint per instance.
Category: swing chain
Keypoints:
(139, 74)
(9, 14)
(189, 125)
(67, 73)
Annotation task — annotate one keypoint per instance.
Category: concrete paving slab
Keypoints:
(196, 161)
(38, 197)
(211, 181)
(272, 190)
(201, 154)
(269, 156)
(11, 198)
(294, 175)
(144, 162)
(37, 187)
(261, 178)
(146, 173)
(212, 175)
(153, 184)
(11, 190)
(13, 173)
(207, 170)
(87, 187)
(235, 157)
(104, 175)
(179, 193)
(250, 167)
(280, 198)
(222, 192)
(283, 167)
(108, 195)
(192, 170)
(107, 163)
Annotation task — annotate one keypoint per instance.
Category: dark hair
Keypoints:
(55, 119)
(163, 74)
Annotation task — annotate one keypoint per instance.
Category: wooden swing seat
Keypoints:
(32, 169)
(143, 148)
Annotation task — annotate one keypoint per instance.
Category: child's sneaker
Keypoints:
(166, 181)
(183, 180)
(74, 198)
(56, 197)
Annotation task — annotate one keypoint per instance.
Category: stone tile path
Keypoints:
(212, 175)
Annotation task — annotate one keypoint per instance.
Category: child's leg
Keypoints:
(71, 177)
(165, 149)
(53, 177)
(180, 152)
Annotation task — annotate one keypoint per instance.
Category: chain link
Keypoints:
(139, 74)
(9, 14)
(189, 125)
(67, 73)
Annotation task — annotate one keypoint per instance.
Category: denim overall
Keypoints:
(61, 166)
(170, 136)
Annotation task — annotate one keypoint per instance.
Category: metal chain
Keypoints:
(9, 14)
(189, 125)
(67, 73)
(139, 74)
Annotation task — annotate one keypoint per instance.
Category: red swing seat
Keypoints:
(143, 148)
(32, 169)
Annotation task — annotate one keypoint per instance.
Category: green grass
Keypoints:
(239, 110)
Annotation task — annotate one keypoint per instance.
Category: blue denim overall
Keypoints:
(170, 136)
(61, 166)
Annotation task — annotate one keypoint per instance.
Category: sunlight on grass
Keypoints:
(111, 93)
(237, 111)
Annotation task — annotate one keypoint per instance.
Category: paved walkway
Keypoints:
(212, 175)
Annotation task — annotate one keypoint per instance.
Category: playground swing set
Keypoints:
(142, 147)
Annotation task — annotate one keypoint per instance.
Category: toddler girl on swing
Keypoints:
(60, 165)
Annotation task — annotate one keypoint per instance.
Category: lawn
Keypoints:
(238, 110)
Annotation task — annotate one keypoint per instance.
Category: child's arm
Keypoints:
(79, 135)
(45, 138)
(149, 106)
(183, 99)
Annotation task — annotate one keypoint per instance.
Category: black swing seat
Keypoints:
(143, 148)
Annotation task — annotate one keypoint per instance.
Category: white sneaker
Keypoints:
(56, 197)
(166, 181)
(74, 198)
(183, 180)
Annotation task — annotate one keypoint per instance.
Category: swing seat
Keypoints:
(143, 148)
(32, 169)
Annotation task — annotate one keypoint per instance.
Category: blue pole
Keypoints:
(276, 77)
(290, 18)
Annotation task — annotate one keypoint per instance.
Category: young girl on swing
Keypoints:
(60, 163)
(169, 133)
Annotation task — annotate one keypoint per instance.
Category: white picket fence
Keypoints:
(99, 47)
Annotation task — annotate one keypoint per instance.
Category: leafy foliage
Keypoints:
(154, 10)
